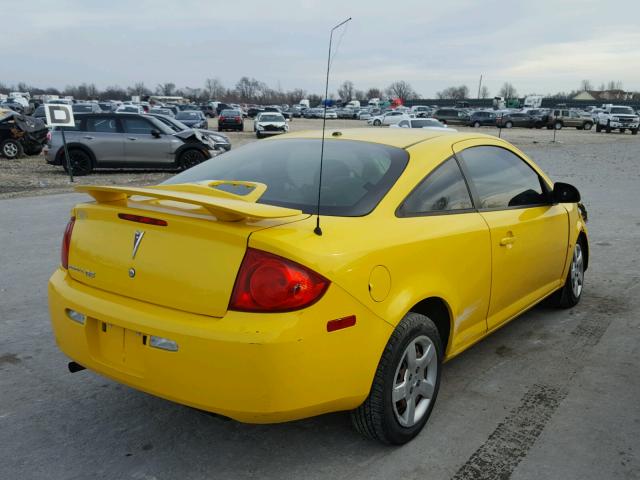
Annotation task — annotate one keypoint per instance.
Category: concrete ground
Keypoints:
(553, 395)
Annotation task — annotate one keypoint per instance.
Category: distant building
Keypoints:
(604, 95)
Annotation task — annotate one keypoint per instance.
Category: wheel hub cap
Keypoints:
(577, 271)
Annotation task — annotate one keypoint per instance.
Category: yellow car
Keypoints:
(217, 289)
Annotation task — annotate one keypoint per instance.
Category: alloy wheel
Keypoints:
(10, 150)
(577, 271)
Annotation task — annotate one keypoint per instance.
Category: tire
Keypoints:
(508, 124)
(190, 158)
(377, 123)
(81, 163)
(220, 129)
(258, 135)
(476, 124)
(557, 125)
(598, 128)
(33, 149)
(379, 417)
(587, 126)
(622, 130)
(608, 128)
(241, 129)
(569, 295)
(11, 149)
(634, 131)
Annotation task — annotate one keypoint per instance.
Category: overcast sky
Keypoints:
(541, 46)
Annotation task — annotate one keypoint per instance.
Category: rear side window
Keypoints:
(443, 190)
(102, 125)
(137, 126)
(502, 179)
(355, 177)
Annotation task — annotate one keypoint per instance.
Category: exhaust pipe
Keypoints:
(75, 367)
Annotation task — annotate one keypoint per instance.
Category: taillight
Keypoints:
(48, 136)
(238, 118)
(269, 283)
(66, 241)
(220, 118)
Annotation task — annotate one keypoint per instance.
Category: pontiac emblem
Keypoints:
(137, 238)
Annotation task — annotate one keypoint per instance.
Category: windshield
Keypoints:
(356, 175)
(624, 110)
(189, 115)
(271, 118)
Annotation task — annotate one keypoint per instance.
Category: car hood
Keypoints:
(192, 135)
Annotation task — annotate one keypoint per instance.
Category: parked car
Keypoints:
(11, 104)
(220, 140)
(222, 106)
(620, 117)
(270, 123)
(21, 134)
(329, 113)
(388, 118)
(224, 299)
(86, 108)
(107, 106)
(126, 140)
(208, 111)
(428, 123)
(560, 118)
(482, 119)
(230, 120)
(516, 119)
(130, 109)
(193, 118)
(162, 111)
(452, 116)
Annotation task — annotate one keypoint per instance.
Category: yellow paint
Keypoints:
(487, 267)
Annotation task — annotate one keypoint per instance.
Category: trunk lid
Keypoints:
(187, 260)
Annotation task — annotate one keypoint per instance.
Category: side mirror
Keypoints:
(565, 193)
(155, 133)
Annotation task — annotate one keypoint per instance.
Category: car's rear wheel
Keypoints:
(634, 131)
(588, 125)
(569, 295)
(598, 128)
(476, 124)
(377, 123)
(622, 130)
(405, 385)
(81, 163)
(190, 158)
(557, 125)
(11, 149)
(508, 124)
(258, 135)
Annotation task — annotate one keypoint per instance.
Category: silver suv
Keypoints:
(110, 140)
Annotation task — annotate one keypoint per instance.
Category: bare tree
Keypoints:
(374, 93)
(508, 91)
(214, 88)
(484, 92)
(346, 91)
(455, 93)
(166, 89)
(585, 85)
(614, 85)
(139, 89)
(401, 90)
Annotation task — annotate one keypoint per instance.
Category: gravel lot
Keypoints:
(552, 395)
(33, 176)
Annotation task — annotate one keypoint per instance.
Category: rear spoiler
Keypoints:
(225, 206)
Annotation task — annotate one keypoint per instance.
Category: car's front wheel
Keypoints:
(405, 385)
(377, 123)
(569, 295)
(476, 124)
(190, 158)
(11, 149)
(81, 163)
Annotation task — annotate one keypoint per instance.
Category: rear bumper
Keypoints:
(254, 368)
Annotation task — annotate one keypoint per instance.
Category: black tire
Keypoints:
(241, 129)
(634, 131)
(608, 128)
(376, 418)
(11, 149)
(190, 158)
(558, 125)
(566, 296)
(377, 123)
(258, 135)
(622, 130)
(81, 163)
(33, 149)
(587, 125)
(476, 124)
(220, 129)
(598, 128)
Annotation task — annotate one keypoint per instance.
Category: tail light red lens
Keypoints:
(220, 118)
(66, 242)
(49, 136)
(270, 283)
(238, 119)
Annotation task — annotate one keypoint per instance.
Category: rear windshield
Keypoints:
(356, 175)
(189, 115)
(230, 113)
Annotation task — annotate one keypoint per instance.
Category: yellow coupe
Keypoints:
(213, 290)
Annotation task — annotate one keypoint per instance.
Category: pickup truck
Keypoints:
(618, 117)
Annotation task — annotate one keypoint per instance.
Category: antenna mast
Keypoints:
(318, 230)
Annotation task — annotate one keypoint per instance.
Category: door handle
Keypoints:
(508, 241)
(131, 138)
(88, 137)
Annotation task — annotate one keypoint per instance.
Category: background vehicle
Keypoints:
(193, 118)
(130, 109)
(162, 111)
(85, 108)
(388, 118)
(21, 134)
(482, 119)
(559, 118)
(220, 140)
(428, 123)
(516, 119)
(270, 123)
(123, 140)
(230, 120)
(618, 117)
(452, 116)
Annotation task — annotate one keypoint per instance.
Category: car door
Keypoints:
(141, 147)
(529, 234)
(105, 139)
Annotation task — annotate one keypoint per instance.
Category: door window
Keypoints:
(443, 190)
(102, 125)
(502, 179)
(137, 126)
